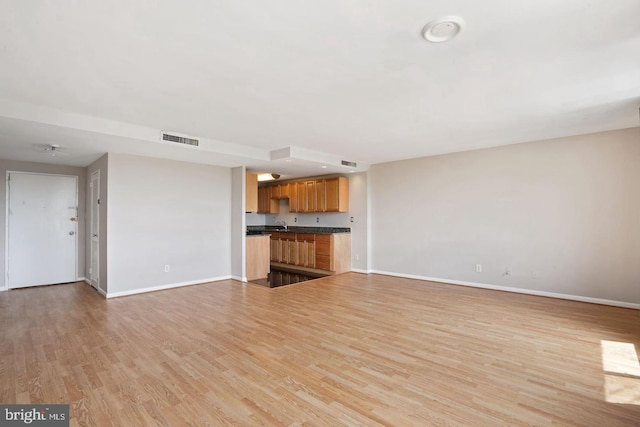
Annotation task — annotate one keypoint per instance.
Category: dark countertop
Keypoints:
(259, 229)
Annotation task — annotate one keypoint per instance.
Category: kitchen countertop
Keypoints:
(259, 229)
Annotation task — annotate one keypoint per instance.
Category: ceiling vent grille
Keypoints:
(347, 163)
(180, 139)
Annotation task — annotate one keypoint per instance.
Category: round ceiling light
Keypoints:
(443, 29)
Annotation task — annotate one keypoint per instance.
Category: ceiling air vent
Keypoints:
(180, 139)
(347, 163)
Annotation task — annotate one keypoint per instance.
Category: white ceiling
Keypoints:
(327, 80)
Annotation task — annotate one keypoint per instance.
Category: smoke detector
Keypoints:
(443, 29)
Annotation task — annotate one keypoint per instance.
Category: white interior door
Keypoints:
(42, 229)
(94, 266)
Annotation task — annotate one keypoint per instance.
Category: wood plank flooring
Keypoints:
(346, 350)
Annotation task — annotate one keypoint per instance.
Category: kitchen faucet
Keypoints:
(282, 223)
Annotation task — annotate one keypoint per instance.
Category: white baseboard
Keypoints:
(85, 280)
(516, 290)
(163, 287)
(358, 270)
(239, 279)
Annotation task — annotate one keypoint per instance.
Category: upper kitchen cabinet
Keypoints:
(284, 190)
(293, 197)
(310, 188)
(266, 203)
(310, 195)
(251, 192)
(306, 197)
(275, 191)
(332, 195)
(303, 197)
(301, 206)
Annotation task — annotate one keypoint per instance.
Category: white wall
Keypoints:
(11, 165)
(166, 212)
(252, 218)
(301, 219)
(562, 216)
(359, 210)
(238, 223)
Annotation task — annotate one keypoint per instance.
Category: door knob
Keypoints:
(71, 233)
(95, 235)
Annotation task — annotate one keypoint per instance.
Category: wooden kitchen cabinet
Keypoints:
(336, 192)
(284, 190)
(284, 248)
(306, 250)
(310, 189)
(293, 197)
(251, 192)
(275, 191)
(311, 195)
(257, 257)
(333, 252)
(306, 196)
(321, 195)
(262, 195)
(276, 248)
(328, 252)
(332, 195)
(301, 188)
(267, 204)
(289, 248)
(323, 251)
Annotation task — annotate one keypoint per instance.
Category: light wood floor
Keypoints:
(346, 350)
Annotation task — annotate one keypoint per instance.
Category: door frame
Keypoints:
(6, 221)
(94, 191)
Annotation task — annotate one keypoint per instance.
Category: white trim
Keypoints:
(6, 230)
(4, 289)
(515, 290)
(239, 279)
(81, 279)
(94, 219)
(163, 287)
(359, 270)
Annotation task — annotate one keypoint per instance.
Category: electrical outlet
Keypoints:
(295, 219)
(318, 219)
(166, 268)
(357, 257)
(352, 219)
(507, 271)
(478, 268)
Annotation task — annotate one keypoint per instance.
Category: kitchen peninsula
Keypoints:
(315, 250)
